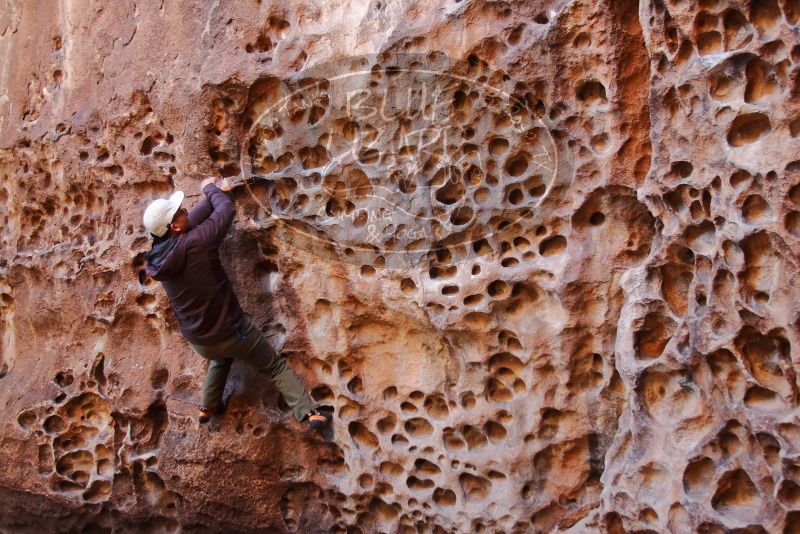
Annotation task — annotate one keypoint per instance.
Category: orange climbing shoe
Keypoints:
(317, 419)
(206, 414)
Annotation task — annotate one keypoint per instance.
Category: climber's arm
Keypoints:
(200, 212)
(211, 231)
(204, 208)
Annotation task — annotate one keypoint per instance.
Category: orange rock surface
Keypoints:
(541, 258)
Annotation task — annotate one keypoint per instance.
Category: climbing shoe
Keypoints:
(317, 419)
(206, 414)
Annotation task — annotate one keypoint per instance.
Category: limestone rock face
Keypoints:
(540, 257)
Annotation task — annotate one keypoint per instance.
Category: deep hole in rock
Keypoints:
(748, 128)
(591, 92)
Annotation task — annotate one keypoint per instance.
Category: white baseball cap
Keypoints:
(160, 212)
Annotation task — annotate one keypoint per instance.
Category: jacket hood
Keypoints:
(167, 257)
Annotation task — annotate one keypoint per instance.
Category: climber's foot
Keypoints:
(206, 414)
(317, 419)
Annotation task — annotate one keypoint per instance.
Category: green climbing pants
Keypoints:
(250, 346)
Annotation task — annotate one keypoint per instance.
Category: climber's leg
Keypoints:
(259, 353)
(219, 366)
(214, 385)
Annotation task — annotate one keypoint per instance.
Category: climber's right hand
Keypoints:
(225, 185)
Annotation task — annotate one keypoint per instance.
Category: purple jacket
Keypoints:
(189, 269)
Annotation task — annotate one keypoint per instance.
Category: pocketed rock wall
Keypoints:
(558, 297)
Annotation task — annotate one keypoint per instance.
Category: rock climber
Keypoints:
(185, 258)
